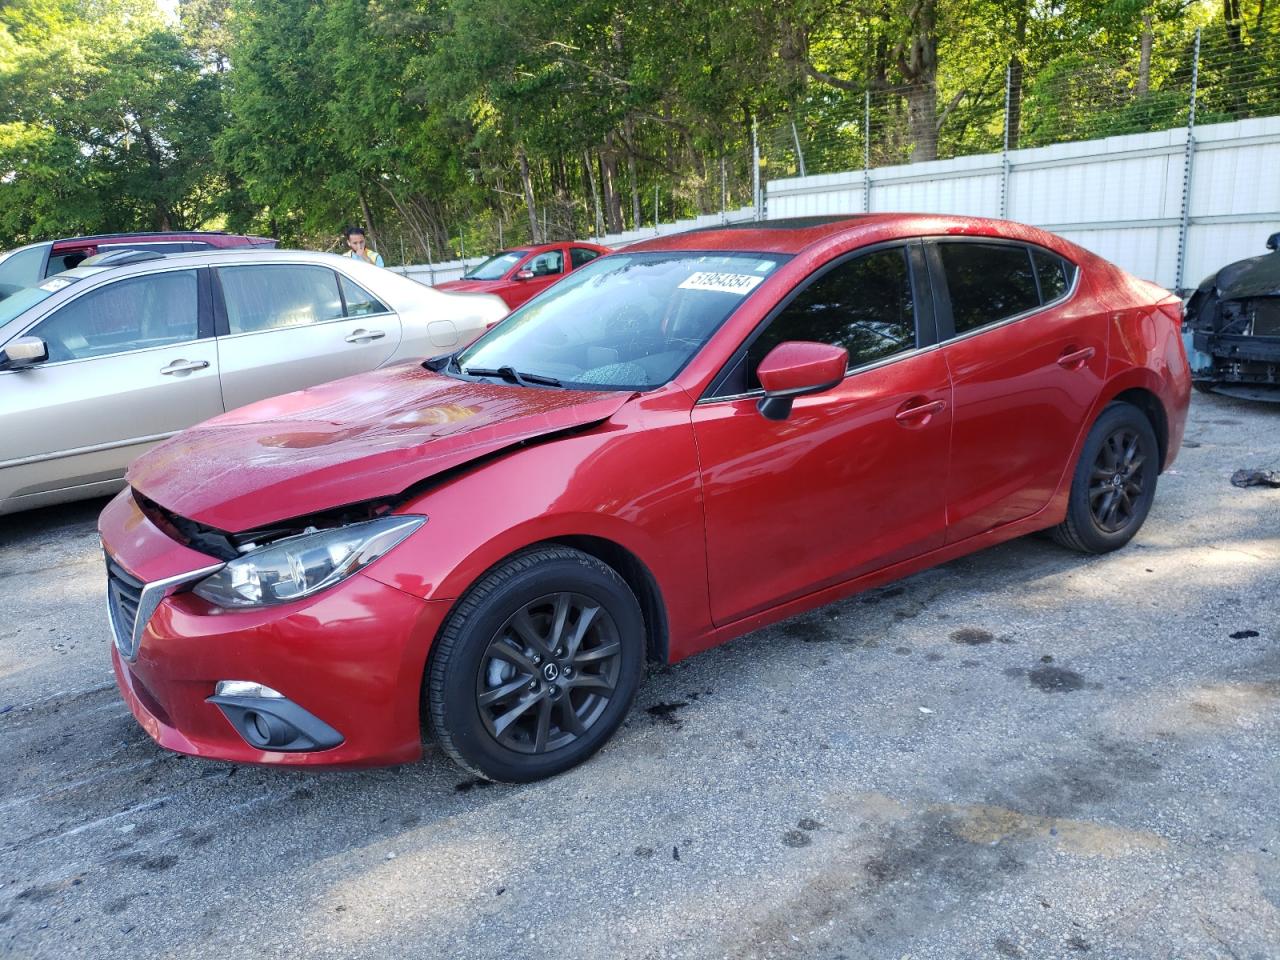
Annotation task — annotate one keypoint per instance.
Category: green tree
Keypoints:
(110, 121)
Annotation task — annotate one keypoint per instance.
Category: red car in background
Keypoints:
(27, 266)
(681, 443)
(517, 275)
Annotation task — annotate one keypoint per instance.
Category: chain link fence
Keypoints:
(1229, 71)
(1172, 81)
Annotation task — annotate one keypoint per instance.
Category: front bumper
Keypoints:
(352, 656)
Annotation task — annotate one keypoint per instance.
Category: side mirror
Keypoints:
(797, 368)
(23, 352)
(525, 274)
(1273, 242)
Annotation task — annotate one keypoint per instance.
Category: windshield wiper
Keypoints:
(514, 375)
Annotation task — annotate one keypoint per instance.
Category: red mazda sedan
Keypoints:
(678, 444)
(518, 275)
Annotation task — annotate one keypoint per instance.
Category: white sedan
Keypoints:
(101, 362)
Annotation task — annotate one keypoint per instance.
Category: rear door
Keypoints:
(853, 480)
(286, 326)
(1027, 357)
(130, 363)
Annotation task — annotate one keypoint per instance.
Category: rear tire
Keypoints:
(536, 666)
(1113, 484)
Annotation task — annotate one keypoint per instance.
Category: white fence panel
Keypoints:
(1120, 197)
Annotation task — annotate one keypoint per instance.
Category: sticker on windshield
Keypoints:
(739, 283)
(54, 285)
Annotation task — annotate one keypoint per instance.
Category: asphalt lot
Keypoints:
(1024, 753)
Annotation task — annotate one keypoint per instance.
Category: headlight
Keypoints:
(300, 566)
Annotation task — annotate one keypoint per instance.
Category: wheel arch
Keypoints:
(634, 572)
(641, 581)
(1148, 401)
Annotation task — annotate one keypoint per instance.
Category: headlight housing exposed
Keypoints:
(300, 566)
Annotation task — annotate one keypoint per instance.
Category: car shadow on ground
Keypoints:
(44, 523)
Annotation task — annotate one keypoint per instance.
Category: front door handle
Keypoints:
(364, 336)
(184, 366)
(1075, 359)
(920, 414)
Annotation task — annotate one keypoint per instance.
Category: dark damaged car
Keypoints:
(1234, 323)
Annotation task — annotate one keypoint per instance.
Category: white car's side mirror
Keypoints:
(23, 352)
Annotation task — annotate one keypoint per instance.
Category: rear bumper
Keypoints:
(352, 657)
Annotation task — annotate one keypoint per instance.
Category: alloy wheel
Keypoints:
(1116, 481)
(548, 673)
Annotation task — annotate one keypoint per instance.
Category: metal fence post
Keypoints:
(866, 152)
(655, 210)
(1187, 164)
(724, 192)
(1004, 153)
(755, 171)
(795, 135)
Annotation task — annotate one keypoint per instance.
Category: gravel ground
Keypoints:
(1024, 753)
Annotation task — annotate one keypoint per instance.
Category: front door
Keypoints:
(547, 267)
(127, 367)
(853, 479)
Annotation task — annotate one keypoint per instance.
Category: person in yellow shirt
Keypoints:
(358, 248)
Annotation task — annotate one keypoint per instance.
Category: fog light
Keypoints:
(245, 688)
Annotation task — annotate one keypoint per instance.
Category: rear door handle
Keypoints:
(364, 336)
(1075, 359)
(184, 366)
(919, 415)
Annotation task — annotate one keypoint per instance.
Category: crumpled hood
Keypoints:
(367, 436)
(1255, 277)
(469, 286)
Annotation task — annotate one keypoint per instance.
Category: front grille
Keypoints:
(124, 596)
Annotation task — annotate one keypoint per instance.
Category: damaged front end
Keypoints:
(1233, 323)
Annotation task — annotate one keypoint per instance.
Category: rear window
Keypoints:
(360, 302)
(988, 282)
(270, 297)
(1055, 275)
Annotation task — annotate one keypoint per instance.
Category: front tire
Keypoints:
(1114, 482)
(537, 666)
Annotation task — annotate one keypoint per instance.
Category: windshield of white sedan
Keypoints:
(623, 322)
(15, 300)
(495, 268)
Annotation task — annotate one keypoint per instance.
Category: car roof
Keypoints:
(795, 234)
(555, 245)
(142, 236)
(213, 258)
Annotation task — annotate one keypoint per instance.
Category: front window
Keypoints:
(623, 322)
(863, 305)
(496, 267)
(545, 264)
(131, 314)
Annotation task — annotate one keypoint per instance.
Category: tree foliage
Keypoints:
(108, 121)
(452, 125)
